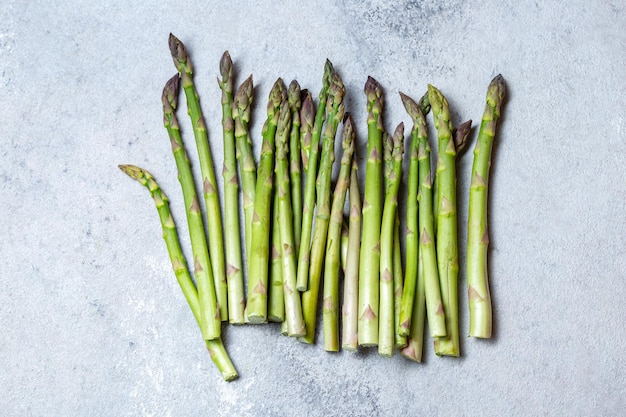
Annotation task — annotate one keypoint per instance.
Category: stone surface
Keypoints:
(92, 322)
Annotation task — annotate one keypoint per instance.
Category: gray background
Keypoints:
(92, 322)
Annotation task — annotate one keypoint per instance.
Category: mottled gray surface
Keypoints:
(91, 320)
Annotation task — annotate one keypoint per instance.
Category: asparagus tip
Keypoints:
(134, 172)
(179, 54)
(295, 95)
(496, 92)
(170, 92)
(410, 105)
(226, 65)
(460, 135)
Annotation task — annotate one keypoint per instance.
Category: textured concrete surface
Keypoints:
(92, 322)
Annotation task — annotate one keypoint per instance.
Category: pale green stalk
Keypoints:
(234, 265)
(478, 236)
(332, 263)
(369, 260)
(349, 337)
(398, 282)
(415, 342)
(276, 301)
(446, 242)
(386, 329)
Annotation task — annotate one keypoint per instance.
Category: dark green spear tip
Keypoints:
(328, 72)
(284, 120)
(425, 104)
(398, 141)
(294, 96)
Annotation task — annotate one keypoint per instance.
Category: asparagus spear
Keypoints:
(447, 249)
(179, 265)
(334, 114)
(369, 266)
(311, 176)
(386, 330)
(345, 235)
(478, 237)
(412, 235)
(425, 230)
(415, 342)
(211, 197)
(294, 322)
(398, 282)
(333, 243)
(276, 300)
(209, 312)
(260, 247)
(247, 165)
(295, 162)
(349, 338)
(234, 267)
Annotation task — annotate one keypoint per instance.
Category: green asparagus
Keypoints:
(209, 312)
(211, 196)
(179, 265)
(295, 163)
(478, 236)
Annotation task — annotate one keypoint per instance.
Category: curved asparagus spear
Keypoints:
(478, 236)
(349, 338)
(234, 266)
(386, 332)
(211, 197)
(260, 247)
(247, 165)
(334, 114)
(333, 243)
(179, 265)
(369, 264)
(425, 236)
(295, 162)
(294, 322)
(447, 245)
(311, 177)
(209, 313)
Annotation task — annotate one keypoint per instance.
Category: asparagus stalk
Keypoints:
(311, 176)
(276, 301)
(294, 322)
(425, 236)
(398, 282)
(446, 244)
(234, 267)
(209, 312)
(412, 236)
(478, 236)
(334, 114)
(245, 157)
(179, 265)
(211, 197)
(415, 342)
(295, 163)
(349, 338)
(386, 331)
(333, 243)
(369, 264)
(345, 235)
(260, 247)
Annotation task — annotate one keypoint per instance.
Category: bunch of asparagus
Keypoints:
(297, 238)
